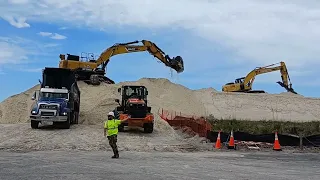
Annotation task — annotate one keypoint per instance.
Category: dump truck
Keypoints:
(58, 100)
(134, 104)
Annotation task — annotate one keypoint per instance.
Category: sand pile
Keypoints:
(96, 101)
(277, 107)
(20, 137)
(16, 108)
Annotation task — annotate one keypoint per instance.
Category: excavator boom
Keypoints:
(244, 84)
(90, 70)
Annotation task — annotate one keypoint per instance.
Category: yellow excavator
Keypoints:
(244, 84)
(92, 70)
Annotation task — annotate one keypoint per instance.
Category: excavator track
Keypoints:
(93, 77)
(256, 91)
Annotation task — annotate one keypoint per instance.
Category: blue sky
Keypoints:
(218, 40)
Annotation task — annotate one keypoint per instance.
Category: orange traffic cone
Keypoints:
(231, 142)
(218, 142)
(276, 145)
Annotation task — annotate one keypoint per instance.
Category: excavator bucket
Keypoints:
(176, 63)
(289, 89)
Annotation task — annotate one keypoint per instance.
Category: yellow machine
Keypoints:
(93, 70)
(244, 84)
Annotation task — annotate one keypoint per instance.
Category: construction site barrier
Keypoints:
(188, 123)
(286, 140)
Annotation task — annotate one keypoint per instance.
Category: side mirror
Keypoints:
(117, 100)
(146, 92)
(119, 90)
(34, 96)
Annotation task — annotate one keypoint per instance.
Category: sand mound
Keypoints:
(20, 137)
(16, 108)
(277, 107)
(97, 101)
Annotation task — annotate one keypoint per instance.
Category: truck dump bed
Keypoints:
(58, 78)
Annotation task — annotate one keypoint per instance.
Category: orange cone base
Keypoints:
(231, 147)
(277, 149)
(218, 145)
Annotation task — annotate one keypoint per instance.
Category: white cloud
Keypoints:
(255, 30)
(45, 33)
(19, 22)
(58, 36)
(11, 53)
(17, 50)
(19, 1)
(52, 35)
(50, 45)
(26, 69)
(63, 28)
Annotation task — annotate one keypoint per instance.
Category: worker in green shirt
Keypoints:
(111, 127)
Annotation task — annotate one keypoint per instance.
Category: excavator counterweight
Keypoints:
(93, 71)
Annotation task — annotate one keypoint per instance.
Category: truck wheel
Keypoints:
(34, 124)
(73, 119)
(66, 124)
(121, 128)
(148, 127)
(76, 118)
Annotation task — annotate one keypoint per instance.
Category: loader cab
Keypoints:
(134, 101)
(127, 92)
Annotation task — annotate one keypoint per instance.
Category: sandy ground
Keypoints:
(20, 137)
(96, 101)
(159, 166)
(276, 107)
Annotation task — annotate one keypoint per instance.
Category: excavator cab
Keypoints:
(239, 80)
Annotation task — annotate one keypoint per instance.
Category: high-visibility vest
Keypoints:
(112, 126)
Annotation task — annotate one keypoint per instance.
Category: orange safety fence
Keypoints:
(189, 123)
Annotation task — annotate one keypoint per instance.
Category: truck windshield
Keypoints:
(50, 95)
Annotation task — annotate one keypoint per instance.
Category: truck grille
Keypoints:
(47, 113)
(45, 106)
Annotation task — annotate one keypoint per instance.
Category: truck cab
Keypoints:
(55, 104)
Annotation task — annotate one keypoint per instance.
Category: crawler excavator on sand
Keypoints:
(244, 84)
(93, 72)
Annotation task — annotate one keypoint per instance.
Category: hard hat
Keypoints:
(111, 114)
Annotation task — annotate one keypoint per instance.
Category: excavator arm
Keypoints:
(93, 71)
(175, 63)
(244, 84)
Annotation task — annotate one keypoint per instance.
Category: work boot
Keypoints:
(116, 156)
